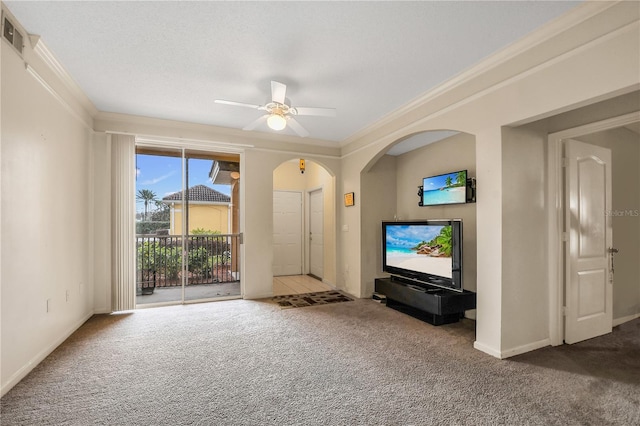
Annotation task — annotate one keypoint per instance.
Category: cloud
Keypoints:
(158, 179)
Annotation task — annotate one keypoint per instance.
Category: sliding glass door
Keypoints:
(187, 240)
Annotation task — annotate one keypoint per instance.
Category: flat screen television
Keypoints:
(426, 252)
(449, 188)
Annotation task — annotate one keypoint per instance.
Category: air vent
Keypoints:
(12, 35)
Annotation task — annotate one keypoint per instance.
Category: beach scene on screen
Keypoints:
(423, 248)
(445, 189)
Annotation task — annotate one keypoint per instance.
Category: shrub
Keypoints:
(202, 231)
(150, 227)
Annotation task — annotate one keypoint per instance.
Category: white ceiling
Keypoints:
(366, 59)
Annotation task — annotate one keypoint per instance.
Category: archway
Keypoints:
(389, 191)
(304, 219)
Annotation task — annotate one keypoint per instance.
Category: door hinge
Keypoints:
(564, 311)
(565, 236)
(565, 162)
(241, 238)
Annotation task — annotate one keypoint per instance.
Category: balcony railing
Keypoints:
(207, 259)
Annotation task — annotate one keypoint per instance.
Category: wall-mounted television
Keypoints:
(426, 252)
(448, 188)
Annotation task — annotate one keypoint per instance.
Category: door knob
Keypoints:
(611, 252)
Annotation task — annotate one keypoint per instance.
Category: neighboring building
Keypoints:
(207, 209)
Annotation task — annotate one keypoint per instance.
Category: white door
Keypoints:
(316, 233)
(589, 280)
(287, 233)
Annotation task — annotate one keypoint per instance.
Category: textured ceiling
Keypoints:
(366, 59)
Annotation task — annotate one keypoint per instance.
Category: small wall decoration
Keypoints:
(349, 199)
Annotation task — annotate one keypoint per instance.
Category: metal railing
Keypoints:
(206, 259)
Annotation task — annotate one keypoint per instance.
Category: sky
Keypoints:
(437, 182)
(162, 175)
(411, 235)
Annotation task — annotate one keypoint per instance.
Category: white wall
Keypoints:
(287, 176)
(378, 202)
(47, 225)
(449, 155)
(525, 292)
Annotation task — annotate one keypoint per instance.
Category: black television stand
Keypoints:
(432, 304)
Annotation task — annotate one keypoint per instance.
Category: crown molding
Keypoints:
(157, 128)
(86, 123)
(547, 32)
(48, 58)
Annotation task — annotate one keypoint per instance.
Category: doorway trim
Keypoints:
(555, 215)
(307, 228)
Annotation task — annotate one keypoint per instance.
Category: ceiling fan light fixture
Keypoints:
(276, 122)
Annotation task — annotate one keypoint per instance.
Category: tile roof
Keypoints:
(200, 193)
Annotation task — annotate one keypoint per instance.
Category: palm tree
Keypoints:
(461, 179)
(448, 181)
(444, 240)
(147, 196)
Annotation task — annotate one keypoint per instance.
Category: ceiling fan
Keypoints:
(279, 114)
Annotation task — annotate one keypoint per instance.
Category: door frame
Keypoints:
(149, 141)
(307, 228)
(555, 215)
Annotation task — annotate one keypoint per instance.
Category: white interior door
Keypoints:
(316, 233)
(589, 280)
(287, 233)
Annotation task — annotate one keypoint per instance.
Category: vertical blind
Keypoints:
(123, 223)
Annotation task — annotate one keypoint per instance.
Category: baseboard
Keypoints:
(618, 321)
(258, 296)
(330, 284)
(514, 351)
(486, 349)
(33, 362)
(525, 348)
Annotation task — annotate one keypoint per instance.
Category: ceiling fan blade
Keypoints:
(301, 131)
(278, 92)
(221, 101)
(256, 123)
(323, 112)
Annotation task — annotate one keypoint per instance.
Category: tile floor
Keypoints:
(298, 284)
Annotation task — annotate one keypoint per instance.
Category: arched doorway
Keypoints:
(389, 191)
(303, 228)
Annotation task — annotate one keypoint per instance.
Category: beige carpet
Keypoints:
(358, 363)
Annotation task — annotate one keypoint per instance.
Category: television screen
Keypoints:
(425, 251)
(450, 188)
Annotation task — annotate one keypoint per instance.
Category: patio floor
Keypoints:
(284, 285)
(191, 292)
